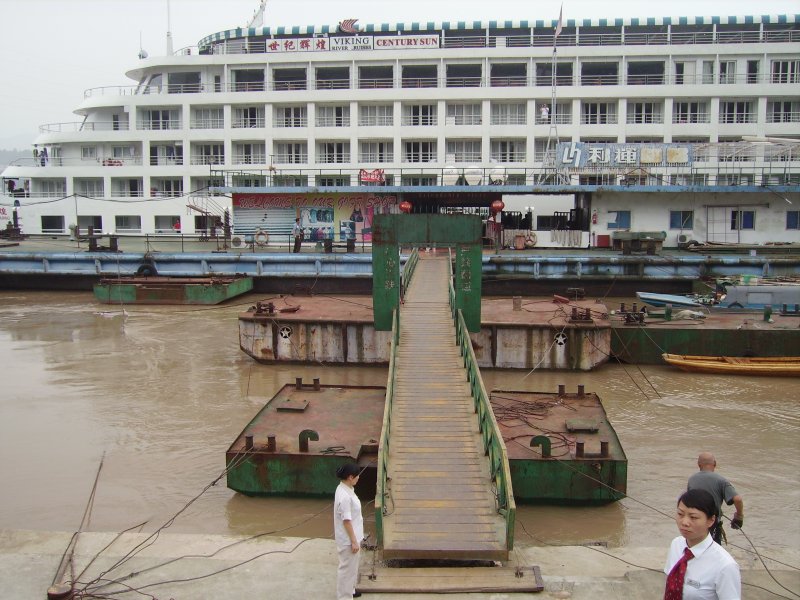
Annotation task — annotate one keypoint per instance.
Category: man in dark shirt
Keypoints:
(719, 487)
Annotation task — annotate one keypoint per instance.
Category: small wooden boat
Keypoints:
(788, 366)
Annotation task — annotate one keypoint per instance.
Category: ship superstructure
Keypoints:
(348, 107)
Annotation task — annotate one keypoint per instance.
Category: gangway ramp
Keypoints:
(440, 500)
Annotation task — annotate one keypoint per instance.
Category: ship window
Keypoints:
(415, 152)
(599, 73)
(786, 71)
(183, 83)
(333, 78)
(88, 152)
(622, 219)
(375, 114)
(248, 80)
(646, 73)
(379, 152)
(419, 114)
(52, 223)
(509, 75)
(681, 219)
(743, 219)
(165, 223)
(333, 116)
(463, 114)
(375, 77)
(91, 188)
(333, 152)
(93, 221)
(464, 75)
(544, 74)
(129, 223)
(419, 76)
(793, 219)
(289, 79)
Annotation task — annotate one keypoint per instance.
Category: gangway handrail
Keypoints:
(383, 445)
(408, 272)
(493, 443)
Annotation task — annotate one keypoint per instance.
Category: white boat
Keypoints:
(760, 295)
(291, 119)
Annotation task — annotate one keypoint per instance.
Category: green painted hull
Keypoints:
(153, 290)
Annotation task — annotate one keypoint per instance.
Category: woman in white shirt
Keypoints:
(348, 527)
(697, 567)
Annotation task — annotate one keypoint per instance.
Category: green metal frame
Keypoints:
(391, 231)
(493, 443)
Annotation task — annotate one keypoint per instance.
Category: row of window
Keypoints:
(505, 74)
(505, 113)
(683, 220)
(134, 187)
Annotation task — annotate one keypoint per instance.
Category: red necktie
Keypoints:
(674, 589)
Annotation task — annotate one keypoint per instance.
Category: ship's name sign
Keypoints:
(353, 42)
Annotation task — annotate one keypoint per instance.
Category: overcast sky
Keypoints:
(55, 49)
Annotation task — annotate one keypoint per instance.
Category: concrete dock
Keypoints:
(290, 567)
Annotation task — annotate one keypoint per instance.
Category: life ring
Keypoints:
(261, 237)
(530, 240)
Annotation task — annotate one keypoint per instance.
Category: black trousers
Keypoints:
(297, 241)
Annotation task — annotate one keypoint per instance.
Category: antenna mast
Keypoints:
(169, 32)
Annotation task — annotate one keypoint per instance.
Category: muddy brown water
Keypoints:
(161, 392)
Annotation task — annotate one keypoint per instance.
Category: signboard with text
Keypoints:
(622, 156)
(352, 42)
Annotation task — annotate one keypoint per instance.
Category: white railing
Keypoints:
(344, 157)
(644, 119)
(208, 159)
(463, 120)
(376, 157)
(783, 117)
(413, 121)
(160, 125)
(689, 118)
(333, 121)
(508, 120)
(376, 121)
(290, 122)
(248, 123)
(249, 159)
(76, 126)
(207, 124)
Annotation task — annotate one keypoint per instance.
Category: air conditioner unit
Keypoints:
(683, 238)
(238, 241)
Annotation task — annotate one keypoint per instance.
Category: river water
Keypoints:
(159, 393)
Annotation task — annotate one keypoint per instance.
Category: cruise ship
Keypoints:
(689, 126)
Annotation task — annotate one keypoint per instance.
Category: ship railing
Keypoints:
(59, 161)
(493, 445)
(772, 172)
(382, 492)
(74, 126)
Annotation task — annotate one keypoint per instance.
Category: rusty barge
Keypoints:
(562, 448)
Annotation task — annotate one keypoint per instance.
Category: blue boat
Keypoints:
(661, 300)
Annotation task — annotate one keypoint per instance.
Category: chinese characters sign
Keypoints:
(584, 154)
(358, 42)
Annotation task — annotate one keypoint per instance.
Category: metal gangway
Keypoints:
(444, 487)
